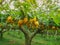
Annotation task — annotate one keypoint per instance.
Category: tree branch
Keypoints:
(23, 30)
(34, 34)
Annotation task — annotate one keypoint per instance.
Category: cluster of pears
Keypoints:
(29, 22)
(54, 27)
(9, 19)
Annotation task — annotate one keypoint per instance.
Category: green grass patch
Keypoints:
(17, 38)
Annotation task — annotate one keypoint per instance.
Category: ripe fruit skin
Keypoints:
(31, 20)
(25, 20)
(34, 19)
(36, 23)
(20, 22)
(9, 19)
(53, 27)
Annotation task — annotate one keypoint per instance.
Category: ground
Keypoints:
(15, 38)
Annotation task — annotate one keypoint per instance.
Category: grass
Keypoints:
(13, 38)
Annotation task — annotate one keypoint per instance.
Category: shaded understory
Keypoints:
(15, 38)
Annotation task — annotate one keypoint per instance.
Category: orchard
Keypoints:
(30, 19)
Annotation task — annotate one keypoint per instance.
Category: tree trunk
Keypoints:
(28, 40)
